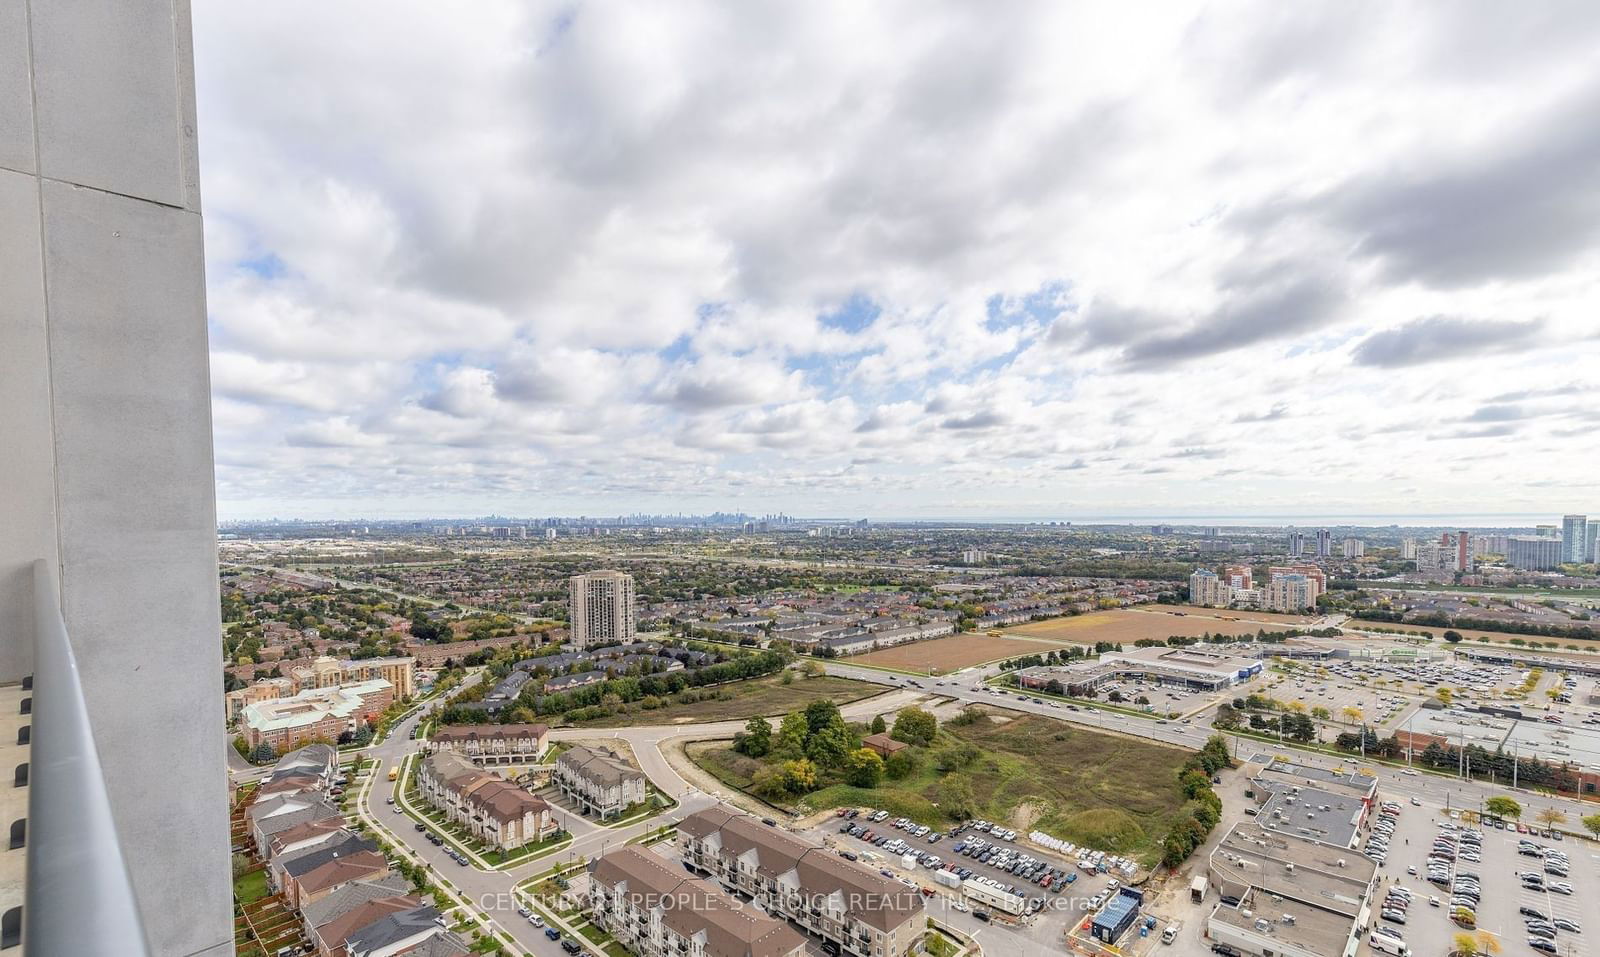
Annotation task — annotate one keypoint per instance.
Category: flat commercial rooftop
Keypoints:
(1311, 813)
(1292, 868)
(1290, 922)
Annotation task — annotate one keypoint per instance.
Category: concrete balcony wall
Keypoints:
(105, 387)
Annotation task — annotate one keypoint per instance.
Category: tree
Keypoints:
(263, 753)
(899, 764)
(955, 796)
(1502, 806)
(757, 740)
(1321, 713)
(820, 714)
(878, 725)
(1115, 697)
(799, 776)
(792, 734)
(829, 745)
(1452, 636)
(1591, 823)
(1351, 713)
(1445, 696)
(1550, 817)
(915, 726)
(863, 768)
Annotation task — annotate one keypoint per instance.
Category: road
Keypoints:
(489, 891)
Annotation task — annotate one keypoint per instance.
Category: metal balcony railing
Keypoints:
(79, 897)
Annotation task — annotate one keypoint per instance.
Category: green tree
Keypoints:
(899, 765)
(1591, 823)
(915, 726)
(800, 776)
(821, 713)
(829, 745)
(1502, 806)
(863, 768)
(757, 740)
(955, 796)
(792, 734)
(878, 725)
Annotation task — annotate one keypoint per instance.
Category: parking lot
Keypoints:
(1063, 890)
(1445, 864)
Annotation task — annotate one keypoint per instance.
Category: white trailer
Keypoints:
(993, 897)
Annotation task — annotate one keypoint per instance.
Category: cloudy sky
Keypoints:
(903, 259)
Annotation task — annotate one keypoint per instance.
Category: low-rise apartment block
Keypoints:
(315, 714)
(599, 781)
(864, 913)
(501, 814)
(655, 911)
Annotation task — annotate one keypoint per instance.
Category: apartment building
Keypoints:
(1206, 587)
(599, 781)
(489, 744)
(1290, 593)
(861, 911)
(325, 672)
(655, 911)
(501, 814)
(601, 608)
(313, 714)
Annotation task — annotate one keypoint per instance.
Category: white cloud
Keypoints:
(896, 258)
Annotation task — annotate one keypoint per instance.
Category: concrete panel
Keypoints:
(16, 88)
(107, 85)
(130, 378)
(27, 465)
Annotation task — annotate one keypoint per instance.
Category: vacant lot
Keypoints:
(1495, 637)
(1265, 617)
(1104, 790)
(944, 655)
(1127, 626)
(742, 699)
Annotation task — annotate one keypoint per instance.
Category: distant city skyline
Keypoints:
(1070, 260)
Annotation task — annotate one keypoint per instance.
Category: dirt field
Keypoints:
(945, 655)
(1128, 626)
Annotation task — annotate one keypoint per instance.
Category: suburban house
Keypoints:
(282, 813)
(600, 781)
(318, 877)
(501, 814)
(656, 911)
(860, 910)
(494, 743)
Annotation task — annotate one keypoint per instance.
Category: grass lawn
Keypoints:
(938, 945)
(745, 699)
(1106, 791)
(251, 887)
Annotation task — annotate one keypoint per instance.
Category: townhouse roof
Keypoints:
(598, 765)
(393, 928)
(309, 859)
(319, 811)
(335, 932)
(862, 894)
(309, 830)
(693, 908)
(489, 732)
(353, 895)
(505, 801)
(343, 870)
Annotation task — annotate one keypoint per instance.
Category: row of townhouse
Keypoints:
(350, 902)
(655, 911)
(494, 743)
(601, 782)
(860, 910)
(501, 814)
